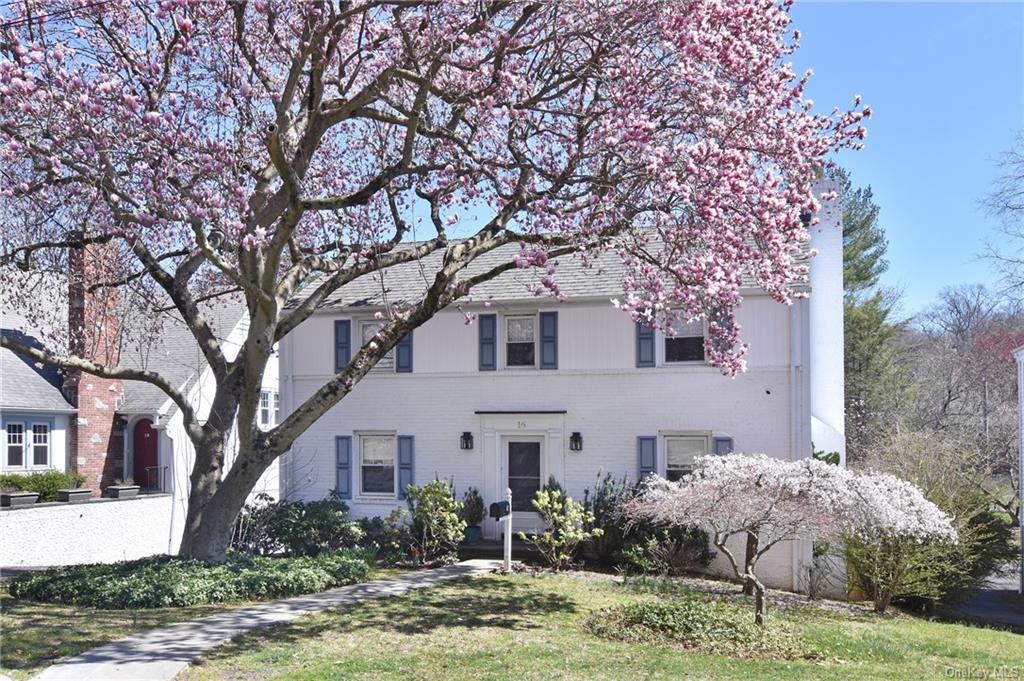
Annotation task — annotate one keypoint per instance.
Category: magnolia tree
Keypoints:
(772, 500)
(265, 149)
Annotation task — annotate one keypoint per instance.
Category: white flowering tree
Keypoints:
(774, 500)
(897, 541)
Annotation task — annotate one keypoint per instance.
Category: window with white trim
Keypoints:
(680, 454)
(40, 444)
(521, 341)
(377, 464)
(277, 407)
(15, 456)
(265, 408)
(368, 331)
(687, 345)
(26, 444)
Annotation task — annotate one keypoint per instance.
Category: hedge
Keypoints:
(46, 483)
(170, 581)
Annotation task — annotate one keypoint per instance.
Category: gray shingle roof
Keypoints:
(24, 384)
(409, 281)
(175, 355)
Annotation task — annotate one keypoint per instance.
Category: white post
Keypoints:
(508, 532)
(1019, 353)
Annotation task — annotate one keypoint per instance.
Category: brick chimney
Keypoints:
(96, 433)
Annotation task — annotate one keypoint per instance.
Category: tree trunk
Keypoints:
(748, 585)
(207, 531)
(883, 597)
(213, 506)
(761, 605)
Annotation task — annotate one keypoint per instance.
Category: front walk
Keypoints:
(161, 654)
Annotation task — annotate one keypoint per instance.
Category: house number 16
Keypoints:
(520, 424)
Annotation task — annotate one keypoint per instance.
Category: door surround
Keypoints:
(497, 429)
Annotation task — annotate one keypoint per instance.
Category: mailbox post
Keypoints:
(502, 510)
(508, 533)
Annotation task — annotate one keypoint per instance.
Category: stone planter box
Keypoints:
(122, 491)
(73, 496)
(18, 498)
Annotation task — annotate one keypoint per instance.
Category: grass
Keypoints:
(523, 627)
(35, 635)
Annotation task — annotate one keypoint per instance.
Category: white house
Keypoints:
(537, 388)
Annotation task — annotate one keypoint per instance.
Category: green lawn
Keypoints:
(35, 635)
(522, 627)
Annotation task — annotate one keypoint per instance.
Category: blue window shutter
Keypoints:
(343, 454)
(406, 463)
(644, 345)
(403, 355)
(723, 445)
(342, 344)
(488, 342)
(646, 449)
(548, 340)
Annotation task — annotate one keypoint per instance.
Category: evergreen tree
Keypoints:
(874, 383)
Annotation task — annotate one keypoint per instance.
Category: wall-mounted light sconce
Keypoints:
(576, 442)
(466, 441)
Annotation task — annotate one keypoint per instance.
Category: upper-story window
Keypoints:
(681, 453)
(27, 445)
(521, 341)
(368, 330)
(270, 408)
(687, 345)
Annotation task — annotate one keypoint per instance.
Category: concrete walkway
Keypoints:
(161, 654)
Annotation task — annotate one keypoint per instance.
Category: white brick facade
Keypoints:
(603, 395)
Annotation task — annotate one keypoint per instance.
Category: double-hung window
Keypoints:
(40, 444)
(265, 408)
(680, 454)
(377, 464)
(687, 345)
(15, 445)
(26, 444)
(270, 407)
(368, 331)
(521, 341)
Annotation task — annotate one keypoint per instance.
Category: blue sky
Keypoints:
(945, 84)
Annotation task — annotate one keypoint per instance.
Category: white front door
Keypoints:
(523, 464)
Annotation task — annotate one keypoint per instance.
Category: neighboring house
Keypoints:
(536, 388)
(108, 429)
(35, 415)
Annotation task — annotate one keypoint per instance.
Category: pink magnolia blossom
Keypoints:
(676, 134)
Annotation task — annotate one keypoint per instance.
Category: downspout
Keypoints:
(799, 414)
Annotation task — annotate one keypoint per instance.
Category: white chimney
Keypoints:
(826, 312)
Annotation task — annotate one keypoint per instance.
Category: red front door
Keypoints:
(144, 470)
